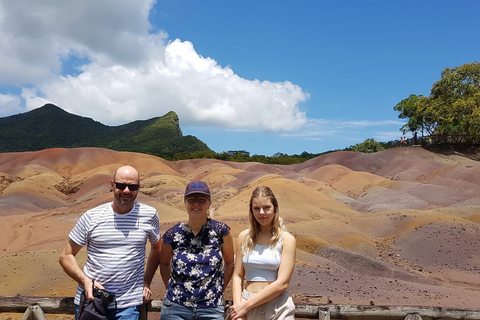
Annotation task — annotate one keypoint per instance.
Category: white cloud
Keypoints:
(347, 130)
(132, 72)
(10, 104)
(36, 35)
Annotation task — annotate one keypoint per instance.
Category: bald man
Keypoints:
(116, 234)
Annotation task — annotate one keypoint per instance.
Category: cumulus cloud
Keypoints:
(131, 72)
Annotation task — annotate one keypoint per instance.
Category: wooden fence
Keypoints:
(442, 140)
(451, 139)
(36, 307)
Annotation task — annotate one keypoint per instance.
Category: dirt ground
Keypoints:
(399, 227)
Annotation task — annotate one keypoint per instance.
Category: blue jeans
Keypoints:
(130, 313)
(175, 311)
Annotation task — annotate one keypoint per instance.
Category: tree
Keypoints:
(368, 146)
(456, 97)
(410, 108)
(453, 106)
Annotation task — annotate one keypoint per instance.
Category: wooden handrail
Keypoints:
(18, 304)
(65, 305)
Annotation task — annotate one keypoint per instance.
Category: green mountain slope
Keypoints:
(52, 127)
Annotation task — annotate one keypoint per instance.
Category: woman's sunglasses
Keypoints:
(122, 186)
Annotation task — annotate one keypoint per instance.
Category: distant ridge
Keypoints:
(52, 127)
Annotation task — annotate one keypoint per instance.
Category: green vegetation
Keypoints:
(52, 127)
(244, 156)
(453, 107)
(368, 146)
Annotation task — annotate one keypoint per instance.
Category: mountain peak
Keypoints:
(50, 126)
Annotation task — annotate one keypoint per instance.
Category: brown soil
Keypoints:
(399, 227)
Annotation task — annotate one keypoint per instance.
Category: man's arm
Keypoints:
(152, 264)
(70, 265)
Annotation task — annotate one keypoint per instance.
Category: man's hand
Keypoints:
(88, 286)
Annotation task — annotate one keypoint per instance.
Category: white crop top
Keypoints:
(263, 262)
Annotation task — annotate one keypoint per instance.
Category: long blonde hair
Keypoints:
(276, 225)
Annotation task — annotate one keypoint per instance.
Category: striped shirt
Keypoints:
(116, 246)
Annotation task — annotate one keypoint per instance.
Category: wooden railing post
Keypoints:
(144, 311)
(413, 316)
(28, 313)
(34, 312)
(323, 314)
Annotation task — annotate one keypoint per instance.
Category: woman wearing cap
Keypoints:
(264, 263)
(196, 261)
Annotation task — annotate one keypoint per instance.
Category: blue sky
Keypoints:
(260, 76)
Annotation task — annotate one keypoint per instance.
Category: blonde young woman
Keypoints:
(264, 263)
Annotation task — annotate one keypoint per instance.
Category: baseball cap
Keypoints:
(197, 187)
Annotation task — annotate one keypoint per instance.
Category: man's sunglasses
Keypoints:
(122, 186)
(199, 200)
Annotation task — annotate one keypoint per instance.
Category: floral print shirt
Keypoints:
(197, 275)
